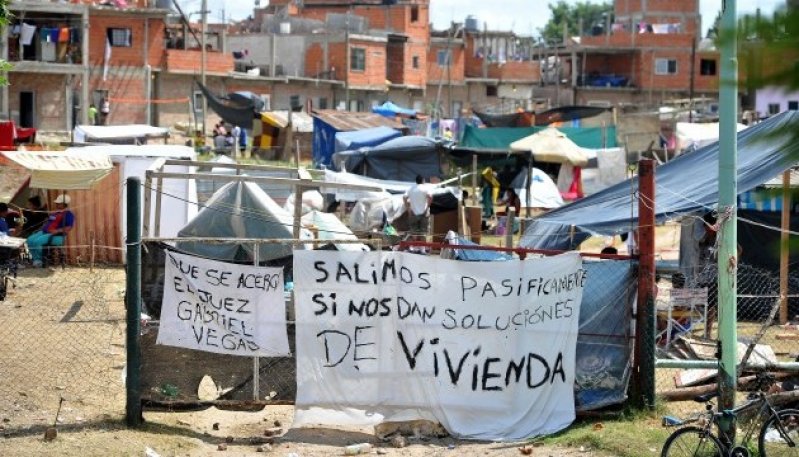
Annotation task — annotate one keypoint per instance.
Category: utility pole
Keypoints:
(348, 58)
(203, 39)
(692, 83)
(727, 234)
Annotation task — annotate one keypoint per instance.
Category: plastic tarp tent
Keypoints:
(400, 159)
(67, 170)
(390, 109)
(240, 210)
(118, 134)
(692, 136)
(237, 108)
(543, 193)
(500, 138)
(330, 227)
(357, 139)
(686, 184)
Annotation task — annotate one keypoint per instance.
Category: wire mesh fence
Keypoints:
(64, 337)
(687, 328)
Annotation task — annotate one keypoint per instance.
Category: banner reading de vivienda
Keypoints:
(221, 307)
(487, 349)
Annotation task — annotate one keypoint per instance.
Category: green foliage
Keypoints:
(5, 14)
(570, 14)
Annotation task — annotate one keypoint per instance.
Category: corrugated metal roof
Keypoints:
(301, 121)
(345, 121)
(777, 181)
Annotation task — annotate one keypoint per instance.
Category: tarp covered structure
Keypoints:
(240, 210)
(237, 108)
(327, 123)
(692, 136)
(390, 109)
(400, 159)
(346, 141)
(687, 184)
(64, 170)
(329, 227)
(118, 134)
(527, 118)
(501, 138)
(551, 145)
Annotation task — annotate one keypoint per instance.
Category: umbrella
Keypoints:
(551, 145)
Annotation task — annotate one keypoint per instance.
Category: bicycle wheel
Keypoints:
(692, 442)
(780, 435)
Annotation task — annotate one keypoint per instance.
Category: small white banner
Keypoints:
(221, 307)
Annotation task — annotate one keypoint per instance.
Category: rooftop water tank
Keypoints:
(471, 24)
(163, 4)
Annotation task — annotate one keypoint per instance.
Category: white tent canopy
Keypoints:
(551, 145)
(66, 170)
(330, 227)
(118, 133)
(693, 135)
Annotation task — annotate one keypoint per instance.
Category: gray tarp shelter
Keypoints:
(687, 184)
(240, 210)
(400, 159)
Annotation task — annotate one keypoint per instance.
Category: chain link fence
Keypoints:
(63, 338)
(687, 328)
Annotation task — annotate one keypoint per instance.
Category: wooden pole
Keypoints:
(644, 364)
(784, 246)
(529, 185)
(474, 180)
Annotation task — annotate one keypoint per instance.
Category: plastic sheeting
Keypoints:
(684, 185)
(398, 159)
(603, 351)
(67, 170)
(238, 108)
(128, 134)
(372, 213)
(390, 109)
(692, 136)
(543, 193)
(240, 210)
(329, 227)
(365, 138)
(501, 138)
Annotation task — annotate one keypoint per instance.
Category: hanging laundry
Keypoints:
(63, 35)
(26, 34)
(240, 54)
(74, 35)
(660, 28)
(617, 27)
(48, 51)
(15, 30)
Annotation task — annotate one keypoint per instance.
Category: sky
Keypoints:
(523, 16)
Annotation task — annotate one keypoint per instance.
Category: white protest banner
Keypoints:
(485, 348)
(221, 307)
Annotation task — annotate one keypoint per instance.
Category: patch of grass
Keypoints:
(632, 434)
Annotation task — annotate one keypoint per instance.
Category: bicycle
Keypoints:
(778, 436)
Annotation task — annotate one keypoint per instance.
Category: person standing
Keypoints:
(105, 110)
(92, 114)
(35, 216)
(418, 199)
(54, 232)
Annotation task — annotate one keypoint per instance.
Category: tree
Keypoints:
(592, 14)
(4, 16)
(713, 31)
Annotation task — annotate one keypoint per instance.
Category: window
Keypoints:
(443, 58)
(119, 37)
(415, 13)
(665, 67)
(773, 108)
(793, 105)
(197, 100)
(707, 67)
(358, 59)
(416, 62)
(322, 102)
(491, 91)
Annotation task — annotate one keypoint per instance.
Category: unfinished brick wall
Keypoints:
(135, 54)
(436, 72)
(50, 98)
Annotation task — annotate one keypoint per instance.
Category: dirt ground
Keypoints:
(242, 433)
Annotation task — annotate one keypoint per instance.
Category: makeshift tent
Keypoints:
(327, 123)
(118, 134)
(551, 145)
(389, 109)
(347, 141)
(270, 130)
(444, 197)
(64, 170)
(527, 118)
(684, 185)
(501, 138)
(240, 210)
(544, 193)
(237, 108)
(692, 136)
(328, 227)
(400, 159)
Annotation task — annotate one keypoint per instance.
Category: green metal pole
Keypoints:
(728, 190)
(133, 416)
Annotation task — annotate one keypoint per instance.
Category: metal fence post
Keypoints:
(133, 412)
(644, 368)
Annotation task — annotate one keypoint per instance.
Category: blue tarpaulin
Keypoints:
(685, 185)
(389, 109)
(324, 142)
(350, 141)
(399, 159)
